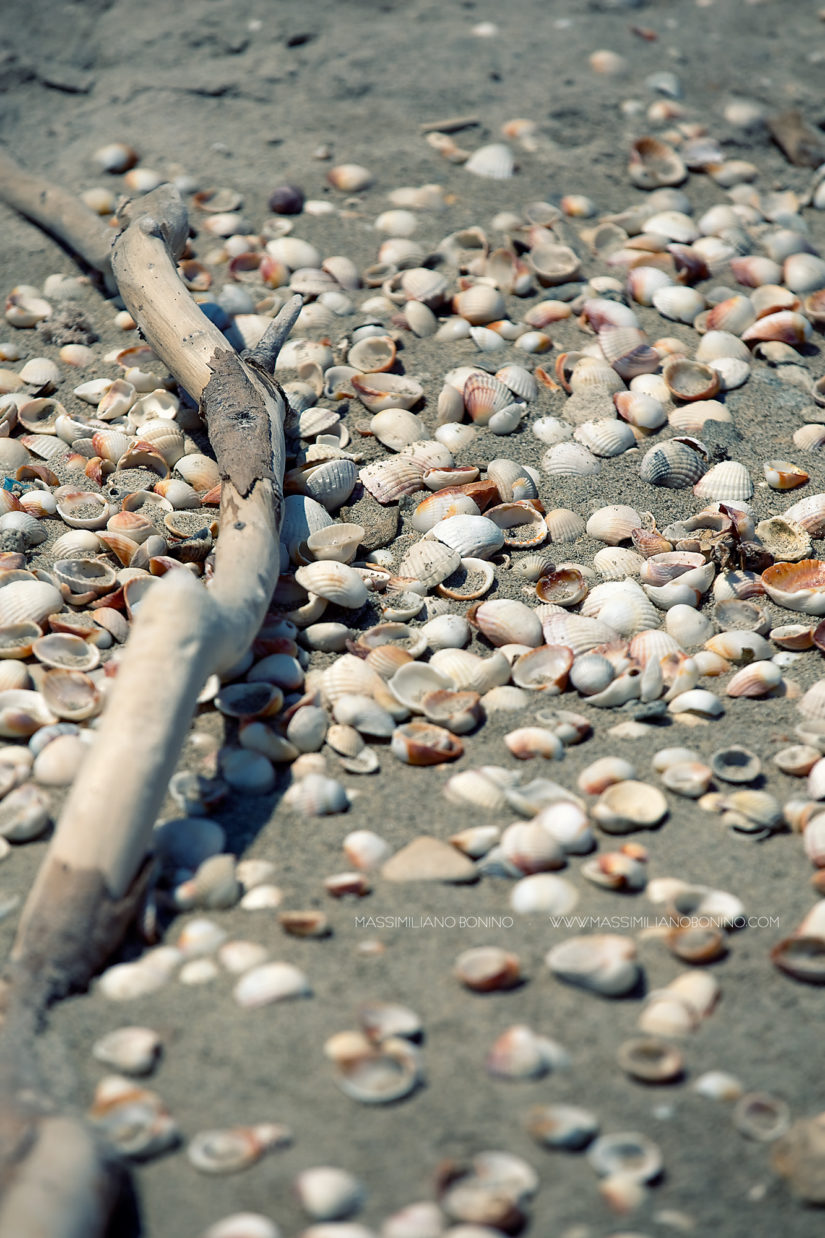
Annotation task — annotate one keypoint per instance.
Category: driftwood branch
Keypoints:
(95, 868)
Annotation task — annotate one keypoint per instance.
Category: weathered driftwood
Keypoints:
(95, 868)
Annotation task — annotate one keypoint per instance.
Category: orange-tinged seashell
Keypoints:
(787, 326)
(797, 586)
(654, 164)
(690, 380)
(485, 969)
(783, 475)
(423, 743)
(566, 587)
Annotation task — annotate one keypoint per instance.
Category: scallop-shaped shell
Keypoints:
(495, 162)
(796, 586)
(429, 562)
(570, 460)
(691, 418)
(726, 481)
(484, 395)
(654, 164)
(472, 536)
(424, 285)
(564, 525)
(441, 505)
(24, 601)
(672, 464)
(640, 410)
(576, 632)
(22, 713)
(331, 482)
(389, 480)
(606, 437)
(678, 302)
(594, 376)
(336, 582)
(478, 304)
(809, 513)
(512, 480)
(348, 675)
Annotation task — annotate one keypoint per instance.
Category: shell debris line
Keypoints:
(544, 657)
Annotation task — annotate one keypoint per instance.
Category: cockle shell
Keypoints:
(570, 460)
(672, 464)
(690, 380)
(522, 523)
(726, 481)
(613, 524)
(505, 622)
(543, 668)
(471, 536)
(605, 437)
(653, 164)
(380, 391)
(796, 586)
(494, 161)
(28, 601)
(440, 506)
(228, 1151)
(336, 582)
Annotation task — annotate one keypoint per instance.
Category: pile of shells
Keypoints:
(439, 566)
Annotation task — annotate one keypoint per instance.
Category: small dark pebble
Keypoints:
(287, 200)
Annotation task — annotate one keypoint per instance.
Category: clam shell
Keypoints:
(725, 481)
(471, 536)
(690, 380)
(441, 505)
(796, 586)
(389, 480)
(605, 437)
(505, 622)
(380, 391)
(673, 465)
(494, 161)
(654, 164)
(570, 460)
(613, 524)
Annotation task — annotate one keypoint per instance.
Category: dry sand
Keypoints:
(241, 94)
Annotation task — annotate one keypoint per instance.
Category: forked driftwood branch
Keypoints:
(55, 1180)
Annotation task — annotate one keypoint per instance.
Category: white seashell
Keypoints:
(543, 894)
(271, 982)
(471, 536)
(570, 460)
(243, 1225)
(495, 162)
(613, 524)
(602, 963)
(336, 582)
(678, 302)
(727, 480)
(698, 701)
(606, 437)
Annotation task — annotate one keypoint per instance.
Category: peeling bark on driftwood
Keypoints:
(96, 868)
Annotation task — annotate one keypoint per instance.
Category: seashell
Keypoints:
(796, 586)
(604, 773)
(23, 601)
(570, 460)
(678, 302)
(650, 1060)
(809, 513)
(505, 621)
(601, 963)
(593, 376)
(672, 464)
(615, 871)
(576, 632)
(697, 701)
(350, 177)
(380, 391)
(228, 1151)
(83, 509)
(754, 680)
(786, 326)
(132, 1119)
(486, 969)
(543, 669)
(317, 796)
(653, 164)
(564, 525)
(374, 1074)
(640, 410)
(271, 982)
(471, 536)
(782, 475)
(131, 1050)
(422, 285)
(518, 1053)
(479, 304)
(562, 1126)
(606, 437)
(630, 805)
(727, 481)
(554, 264)
(528, 742)
(566, 587)
(690, 380)
(327, 1193)
(784, 539)
(25, 811)
(794, 636)
(495, 162)
(485, 395)
(613, 524)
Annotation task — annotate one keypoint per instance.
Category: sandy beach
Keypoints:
(252, 96)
